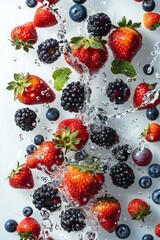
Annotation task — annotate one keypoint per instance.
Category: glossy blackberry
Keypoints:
(103, 135)
(73, 219)
(99, 24)
(118, 92)
(48, 51)
(48, 197)
(25, 118)
(73, 97)
(122, 175)
(122, 152)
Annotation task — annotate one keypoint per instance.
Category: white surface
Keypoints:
(12, 149)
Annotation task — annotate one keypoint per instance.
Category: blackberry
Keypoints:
(48, 197)
(122, 175)
(122, 152)
(103, 136)
(73, 219)
(73, 97)
(118, 92)
(48, 51)
(99, 24)
(25, 118)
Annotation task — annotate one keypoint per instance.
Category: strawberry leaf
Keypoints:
(121, 66)
(61, 76)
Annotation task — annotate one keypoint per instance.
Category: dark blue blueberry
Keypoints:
(148, 70)
(122, 231)
(27, 211)
(52, 114)
(78, 13)
(31, 149)
(145, 182)
(31, 3)
(152, 114)
(147, 237)
(10, 225)
(79, 1)
(156, 196)
(38, 139)
(154, 170)
(148, 5)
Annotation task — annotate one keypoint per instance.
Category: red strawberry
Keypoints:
(44, 18)
(151, 20)
(50, 1)
(47, 154)
(138, 209)
(31, 89)
(125, 41)
(46, 238)
(90, 52)
(21, 177)
(71, 134)
(157, 230)
(28, 228)
(24, 36)
(139, 96)
(152, 132)
(107, 210)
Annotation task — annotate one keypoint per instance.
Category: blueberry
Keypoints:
(148, 5)
(156, 196)
(52, 114)
(148, 70)
(79, 1)
(147, 237)
(27, 211)
(78, 13)
(152, 113)
(31, 3)
(122, 231)
(145, 182)
(31, 149)
(38, 139)
(154, 170)
(10, 225)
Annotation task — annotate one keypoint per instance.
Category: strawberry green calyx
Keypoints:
(106, 199)
(154, 26)
(145, 131)
(130, 24)
(16, 170)
(26, 235)
(93, 42)
(140, 215)
(18, 44)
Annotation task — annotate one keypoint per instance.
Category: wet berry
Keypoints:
(148, 5)
(27, 211)
(25, 118)
(145, 182)
(122, 231)
(38, 139)
(122, 152)
(142, 157)
(10, 225)
(154, 170)
(52, 114)
(31, 149)
(31, 3)
(152, 114)
(156, 196)
(78, 13)
(148, 70)
(147, 237)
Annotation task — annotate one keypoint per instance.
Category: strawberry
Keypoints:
(47, 155)
(151, 20)
(157, 230)
(152, 132)
(71, 134)
(138, 209)
(24, 36)
(31, 89)
(91, 53)
(21, 177)
(139, 96)
(82, 182)
(44, 17)
(28, 228)
(125, 41)
(49, 1)
(107, 210)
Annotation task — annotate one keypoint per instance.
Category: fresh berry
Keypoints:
(99, 24)
(31, 149)
(90, 52)
(148, 69)
(47, 155)
(122, 152)
(157, 230)
(138, 0)
(107, 210)
(45, 238)
(122, 231)
(122, 175)
(138, 209)
(21, 177)
(78, 13)
(52, 114)
(103, 135)
(152, 132)
(142, 156)
(24, 36)
(31, 89)
(73, 97)
(31, 3)
(48, 51)
(147, 237)
(73, 219)
(148, 5)
(154, 170)
(49, 1)
(156, 196)
(118, 92)
(152, 114)
(44, 17)
(25, 118)
(47, 197)
(27, 211)
(145, 182)
(151, 20)
(79, 1)
(38, 139)
(10, 225)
